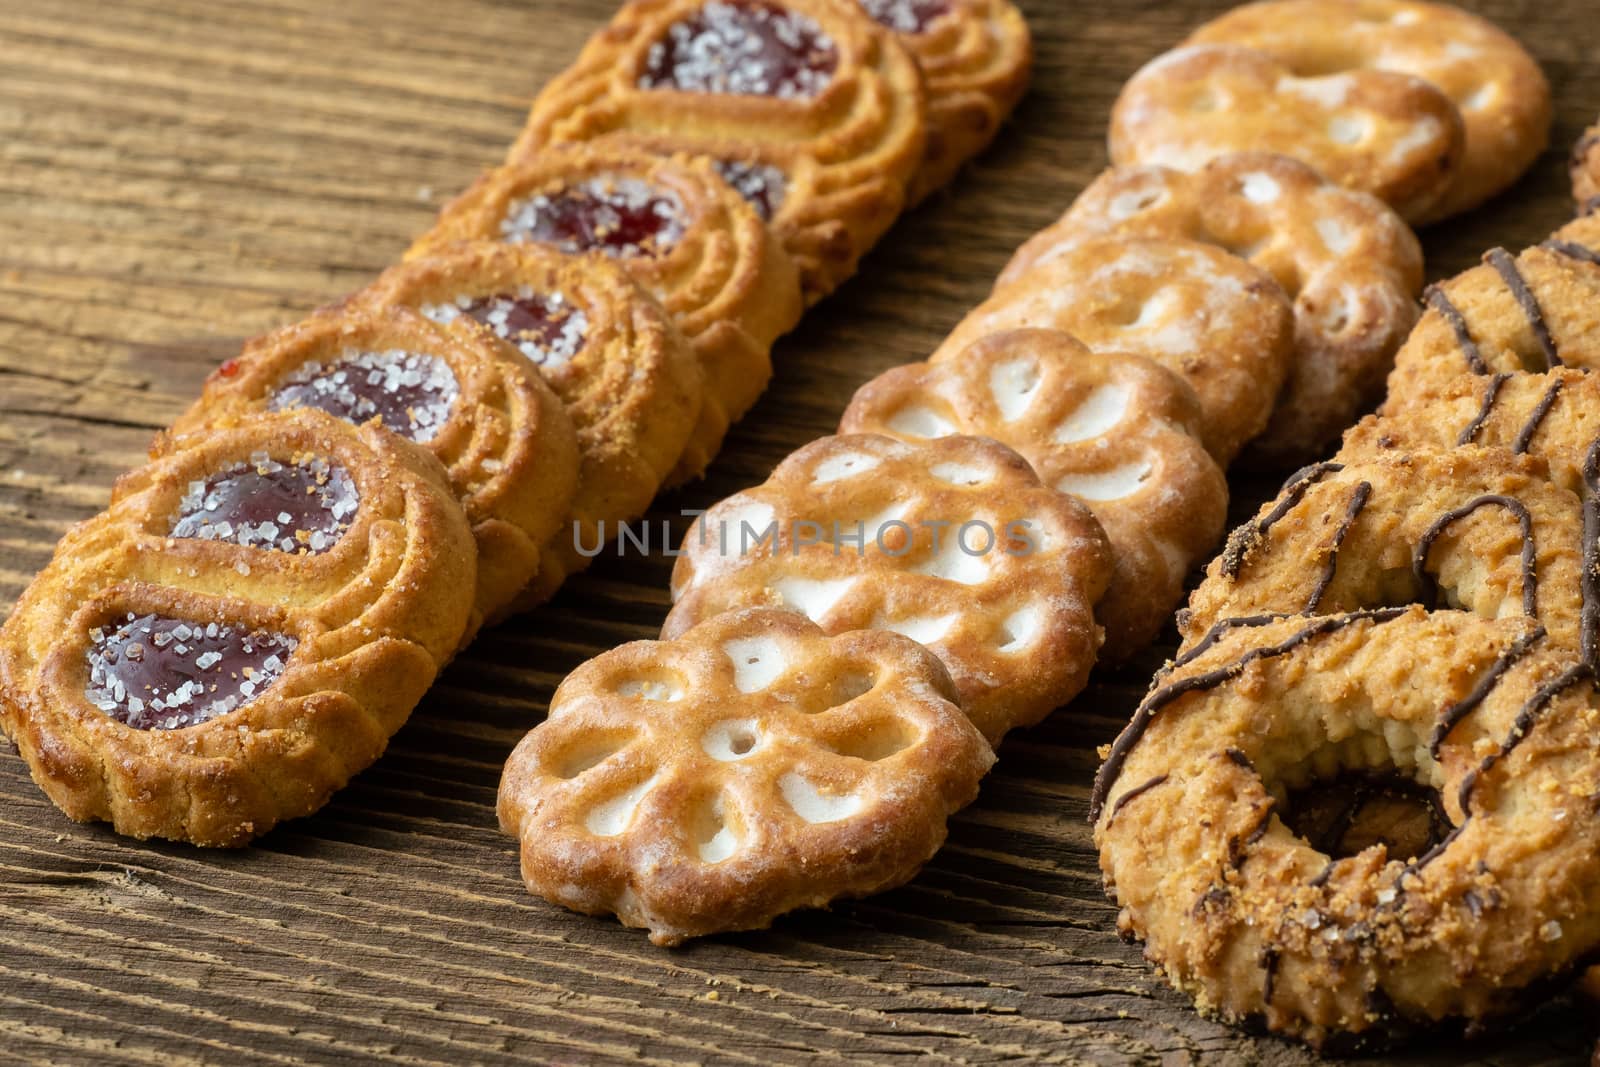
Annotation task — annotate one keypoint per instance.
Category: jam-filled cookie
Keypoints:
(747, 768)
(1391, 135)
(243, 629)
(1498, 88)
(683, 234)
(1118, 432)
(1224, 326)
(1351, 266)
(623, 372)
(953, 542)
(809, 108)
(976, 56)
(504, 438)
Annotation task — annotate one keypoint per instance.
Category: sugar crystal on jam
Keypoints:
(745, 48)
(544, 326)
(300, 507)
(154, 672)
(906, 16)
(761, 184)
(622, 217)
(412, 392)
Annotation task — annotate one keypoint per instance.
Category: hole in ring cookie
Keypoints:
(1354, 811)
(731, 740)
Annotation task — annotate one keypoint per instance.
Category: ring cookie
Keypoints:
(1221, 324)
(1117, 432)
(953, 542)
(678, 229)
(1586, 171)
(1391, 135)
(1530, 312)
(241, 631)
(809, 108)
(503, 437)
(1498, 88)
(976, 56)
(750, 767)
(1351, 266)
(1345, 949)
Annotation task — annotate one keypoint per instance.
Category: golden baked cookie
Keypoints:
(1586, 171)
(976, 56)
(1498, 88)
(1351, 266)
(678, 229)
(953, 542)
(1391, 135)
(1118, 432)
(1530, 312)
(1223, 325)
(750, 767)
(622, 371)
(242, 630)
(813, 111)
(503, 437)
(1195, 811)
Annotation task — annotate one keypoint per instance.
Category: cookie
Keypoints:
(747, 768)
(1223, 325)
(504, 438)
(809, 108)
(1343, 950)
(241, 631)
(976, 56)
(953, 542)
(624, 374)
(1118, 432)
(1530, 312)
(1498, 88)
(1352, 268)
(1586, 171)
(678, 229)
(1391, 135)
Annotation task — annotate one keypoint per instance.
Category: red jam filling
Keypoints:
(743, 47)
(906, 16)
(547, 329)
(302, 507)
(761, 184)
(152, 672)
(413, 393)
(622, 217)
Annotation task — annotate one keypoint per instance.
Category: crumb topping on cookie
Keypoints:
(544, 326)
(412, 392)
(748, 48)
(622, 217)
(301, 507)
(153, 672)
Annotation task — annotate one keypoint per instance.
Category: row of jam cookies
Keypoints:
(1431, 108)
(1423, 604)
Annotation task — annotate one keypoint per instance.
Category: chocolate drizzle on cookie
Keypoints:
(1530, 580)
(1136, 791)
(1162, 696)
(1506, 267)
(1451, 314)
(1452, 716)
(1358, 501)
(1245, 538)
(1542, 409)
(1573, 250)
(1491, 393)
(1589, 620)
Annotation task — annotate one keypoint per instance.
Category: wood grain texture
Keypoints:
(176, 175)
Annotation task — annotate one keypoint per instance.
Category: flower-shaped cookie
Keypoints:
(810, 109)
(1351, 266)
(1118, 432)
(1221, 324)
(503, 436)
(953, 542)
(1391, 135)
(976, 56)
(683, 234)
(752, 766)
(242, 630)
(1501, 93)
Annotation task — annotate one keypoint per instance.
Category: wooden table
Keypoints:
(180, 174)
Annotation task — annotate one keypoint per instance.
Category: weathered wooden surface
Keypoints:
(177, 175)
